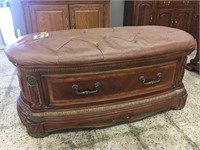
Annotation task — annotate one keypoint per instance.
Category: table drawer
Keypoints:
(104, 87)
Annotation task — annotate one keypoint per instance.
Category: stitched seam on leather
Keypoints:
(96, 45)
(60, 48)
(100, 50)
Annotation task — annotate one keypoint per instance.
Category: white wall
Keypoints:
(6, 25)
(116, 14)
(17, 15)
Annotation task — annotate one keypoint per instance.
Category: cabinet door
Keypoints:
(195, 21)
(195, 32)
(86, 16)
(144, 13)
(165, 17)
(49, 17)
(183, 19)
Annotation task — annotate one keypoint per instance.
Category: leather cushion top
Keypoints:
(98, 45)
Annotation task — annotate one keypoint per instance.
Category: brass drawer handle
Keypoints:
(97, 85)
(142, 79)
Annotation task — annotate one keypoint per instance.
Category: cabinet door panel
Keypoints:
(86, 16)
(195, 22)
(183, 19)
(144, 12)
(165, 17)
(49, 17)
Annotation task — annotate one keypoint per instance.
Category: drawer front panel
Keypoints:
(174, 4)
(90, 88)
(186, 4)
(165, 4)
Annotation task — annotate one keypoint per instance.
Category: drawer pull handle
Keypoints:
(97, 85)
(142, 79)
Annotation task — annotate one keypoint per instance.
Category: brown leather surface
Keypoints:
(98, 45)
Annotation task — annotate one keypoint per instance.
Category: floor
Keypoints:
(171, 130)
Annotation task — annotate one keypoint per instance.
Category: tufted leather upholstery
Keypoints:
(100, 44)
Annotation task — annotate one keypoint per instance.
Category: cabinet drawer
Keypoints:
(185, 3)
(102, 87)
(175, 4)
(167, 4)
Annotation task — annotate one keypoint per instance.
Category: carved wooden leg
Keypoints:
(181, 101)
(34, 129)
(194, 63)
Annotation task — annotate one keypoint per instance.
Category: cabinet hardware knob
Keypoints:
(143, 80)
(175, 22)
(73, 24)
(172, 23)
(151, 19)
(67, 23)
(97, 85)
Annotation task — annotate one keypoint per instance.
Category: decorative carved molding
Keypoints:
(26, 109)
(34, 90)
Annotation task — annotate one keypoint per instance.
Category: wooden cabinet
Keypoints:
(194, 63)
(86, 16)
(165, 17)
(177, 18)
(183, 14)
(177, 14)
(51, 15)
(182, 19)
(144, 13)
